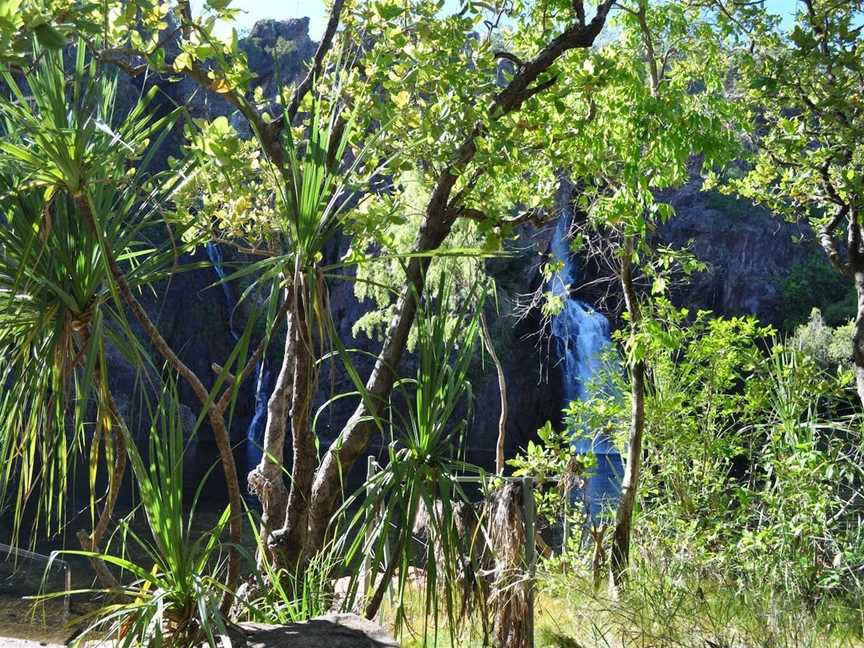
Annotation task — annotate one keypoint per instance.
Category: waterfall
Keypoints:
(581, 332)
(581, 335)
(255, 431)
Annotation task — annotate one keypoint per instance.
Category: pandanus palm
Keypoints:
(420, 480)
(313, 193)
(60, 154)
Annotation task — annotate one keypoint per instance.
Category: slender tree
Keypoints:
(659, 111)
(804, 87)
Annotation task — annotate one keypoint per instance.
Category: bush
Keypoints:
(815, 284)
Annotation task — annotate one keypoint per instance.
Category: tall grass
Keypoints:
(171, 578)
(418, 480)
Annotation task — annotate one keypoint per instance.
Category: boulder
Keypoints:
(329, 631)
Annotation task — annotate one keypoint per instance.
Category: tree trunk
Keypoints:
(619, 557)
(856, 265)
(291, 538)
(266, 480)
(441, 212)
(354, 438)
(93, 540)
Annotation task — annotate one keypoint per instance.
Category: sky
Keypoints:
(316, 11)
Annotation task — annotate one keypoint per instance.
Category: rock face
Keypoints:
(330, 631)
(748, 254)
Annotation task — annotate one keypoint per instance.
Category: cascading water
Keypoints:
(582, 334)
(255, 431)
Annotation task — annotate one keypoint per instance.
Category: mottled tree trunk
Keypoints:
(856, 264)
(291, 538)
(266, 480)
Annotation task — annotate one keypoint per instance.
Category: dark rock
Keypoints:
(329, 631)
(748, 251)
(278, 51)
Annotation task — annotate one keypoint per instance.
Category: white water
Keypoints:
(255, 431)
(582, 335)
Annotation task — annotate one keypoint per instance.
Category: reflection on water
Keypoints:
(27, 619)
(21, 578)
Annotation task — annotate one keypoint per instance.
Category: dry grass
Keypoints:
(656, 613)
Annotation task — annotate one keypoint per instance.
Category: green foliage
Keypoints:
(804, 90)
(830, 348)
(749, 474)
(281, 596)
(815, 284)
(730, 205)
(556, 468)
(668, 604)
(173, 598)
(66, 156)
(419, 480)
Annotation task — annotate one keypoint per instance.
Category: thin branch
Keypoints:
(508, 56)
(324, 46)
(825, 234)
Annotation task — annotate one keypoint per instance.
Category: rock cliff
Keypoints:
(748, 254)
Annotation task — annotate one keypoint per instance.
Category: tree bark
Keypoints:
(440, 214)
(290, 540)
(619, 557)
(266, 480)
(856, 265)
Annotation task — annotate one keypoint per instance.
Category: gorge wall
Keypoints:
(748, 254)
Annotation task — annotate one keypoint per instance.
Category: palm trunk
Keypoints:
(214, 415)
(267, 479)
(619, 557)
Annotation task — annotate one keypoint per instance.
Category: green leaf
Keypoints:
(49, 37)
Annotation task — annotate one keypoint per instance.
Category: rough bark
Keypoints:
(619, 557)
(858, 336)
(266, 480)
(291, 538)
(856, 266)
(441, 211)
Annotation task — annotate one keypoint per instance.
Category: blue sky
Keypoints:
(316, 11)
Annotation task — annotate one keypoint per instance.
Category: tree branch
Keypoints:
(825, 234)
(324, 46)
(436, 226)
